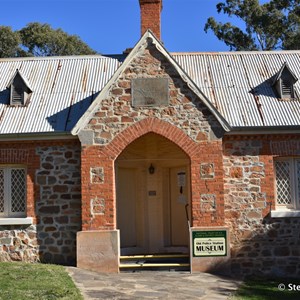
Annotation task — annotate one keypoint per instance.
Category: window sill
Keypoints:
(16, 221)
(285, 214)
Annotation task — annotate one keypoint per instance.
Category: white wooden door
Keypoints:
(179, 187)
(151, 209)
(126, 207)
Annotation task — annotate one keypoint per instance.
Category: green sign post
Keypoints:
(209, 243)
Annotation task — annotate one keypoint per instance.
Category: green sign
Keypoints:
(209, 243)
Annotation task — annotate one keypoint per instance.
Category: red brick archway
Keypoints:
(165, 129)
(99, 199)
(151, 210)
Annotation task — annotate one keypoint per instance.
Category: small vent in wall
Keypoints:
(17, 97)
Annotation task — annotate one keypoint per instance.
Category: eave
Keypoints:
(42, 136)
(262, 130)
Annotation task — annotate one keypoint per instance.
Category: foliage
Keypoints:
(9, 43)
(20, 281)
(269, 26)
(38, 39)
(268, 289)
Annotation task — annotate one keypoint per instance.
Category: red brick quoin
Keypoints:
(104, 156)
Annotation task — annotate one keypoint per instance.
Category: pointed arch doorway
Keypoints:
(152, 191)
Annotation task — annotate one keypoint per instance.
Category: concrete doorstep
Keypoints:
(152, 285)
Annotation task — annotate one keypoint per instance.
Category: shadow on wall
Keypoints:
(58, 204)
(271, 249)
(260, 245)
(53, 195)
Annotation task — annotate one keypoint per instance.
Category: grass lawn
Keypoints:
(20, 281)
(261, 289)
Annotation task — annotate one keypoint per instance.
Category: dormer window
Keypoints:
(19, 90)
(284, 83)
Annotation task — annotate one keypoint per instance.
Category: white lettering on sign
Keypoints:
(210, 247)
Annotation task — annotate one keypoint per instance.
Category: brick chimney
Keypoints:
(150, 16)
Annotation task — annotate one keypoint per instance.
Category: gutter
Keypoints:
(41, 136)
(255, 130)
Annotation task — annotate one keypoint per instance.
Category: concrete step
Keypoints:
(174, 262)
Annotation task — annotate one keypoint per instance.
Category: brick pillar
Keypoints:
(150, 16)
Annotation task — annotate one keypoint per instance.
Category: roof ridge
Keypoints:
(69, 57)
(237, 52)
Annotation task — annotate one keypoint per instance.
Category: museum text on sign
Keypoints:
(209, 243)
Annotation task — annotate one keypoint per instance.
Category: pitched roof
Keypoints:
(63, 88)
(239, 85)
(235, 86)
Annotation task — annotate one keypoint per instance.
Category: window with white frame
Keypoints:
(287, 183)
(12, 191)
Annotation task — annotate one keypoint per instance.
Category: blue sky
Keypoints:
(111, 26)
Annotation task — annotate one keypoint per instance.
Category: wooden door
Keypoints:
(151, 212)
(126, 207)
(175, 219)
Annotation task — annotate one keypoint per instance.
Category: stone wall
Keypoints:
(259, 244)
(184, 120)
(19, 243)
(185, 110)
(59, 205)
(53, 201)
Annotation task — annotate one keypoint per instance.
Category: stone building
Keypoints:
(152, 152)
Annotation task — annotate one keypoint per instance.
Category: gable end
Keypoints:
(147, 41)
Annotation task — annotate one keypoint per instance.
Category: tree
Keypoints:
(269, 26)
(42, 40)
(9, 42)
(38, 39)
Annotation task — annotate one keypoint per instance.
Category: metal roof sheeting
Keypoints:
(239, 84)
(63, 88)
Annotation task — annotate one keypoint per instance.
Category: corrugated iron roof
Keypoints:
(64, 87)
(238, 84)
